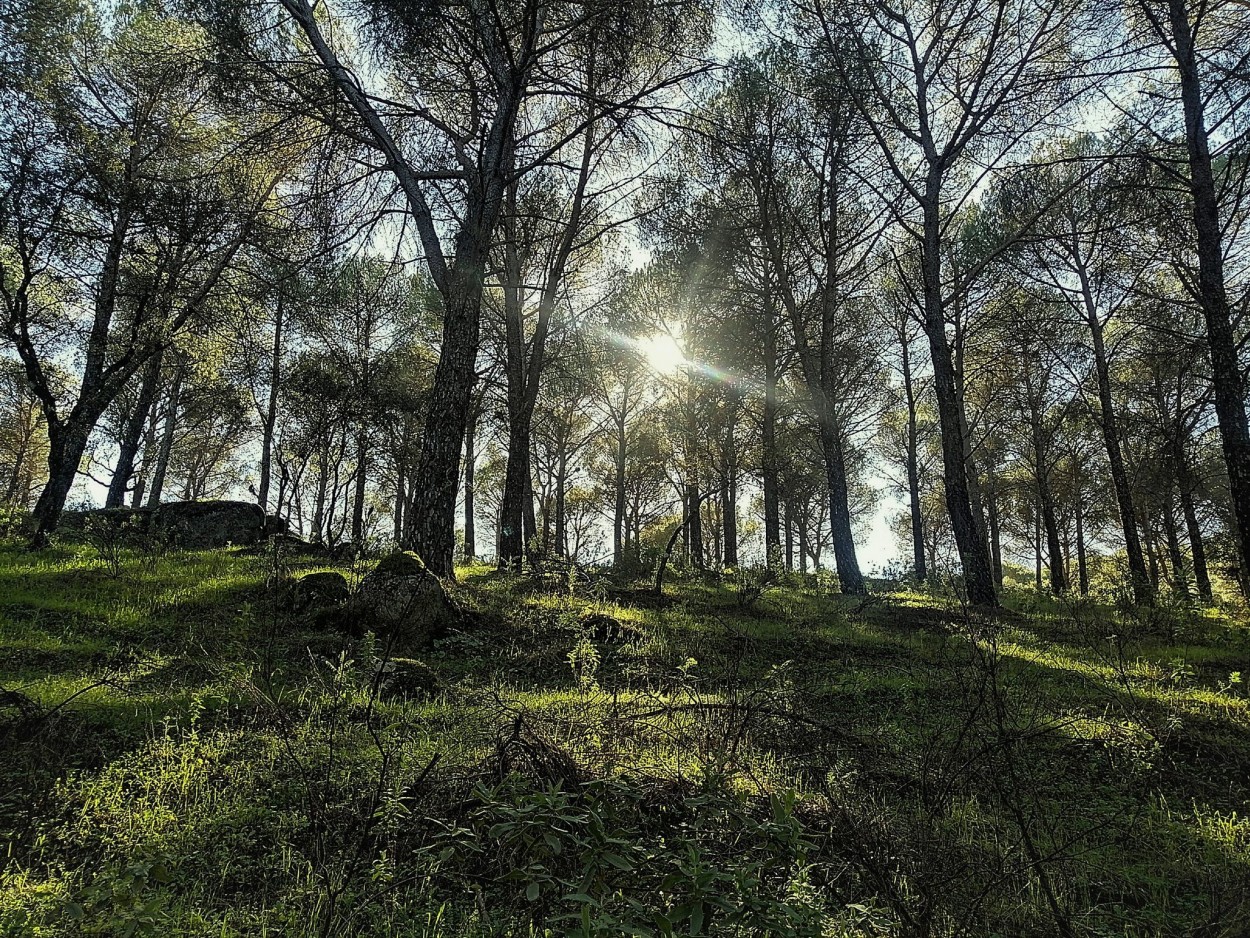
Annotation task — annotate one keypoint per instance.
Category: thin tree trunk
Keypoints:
(319, 524)
(1037, 541)
(271, 411)
(619, 501)
(789, 532)
(1111, 440)
(1180, 579)
(400, 498)
(1082, 563)
(470, 486)
(996, 541)
(768, 441)
(561, 534)
(919, 568)
(362, 479)
(729, 518)
(804, 547)
(167, 438)
(132, 435)
(1185, 479)
(1046, 500)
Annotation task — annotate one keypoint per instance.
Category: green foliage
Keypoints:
(201, 762)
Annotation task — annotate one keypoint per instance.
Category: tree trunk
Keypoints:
(768, 441)
(1046, 500)
(694, 523)
(470, 491)
(132, 435)
(400, 500)
(561, 534)
(1180, 579)
(157, 489)
(271, 411)
(919, 568)
(66, 444)
(1152, 554)
(850, 579)
(431, 524)
(1226, 376)
(1186, 484)
(1142, 592)
(362, 479)
(1082, 563)
(619, 501)
(804, 547)
(789, 533)
(996, 540)
(973, 552)
(729, 517)
(319, 523)
(1037, 541)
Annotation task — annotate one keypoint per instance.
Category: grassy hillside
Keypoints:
(180, 756)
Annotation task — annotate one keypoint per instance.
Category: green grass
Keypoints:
(192, 760)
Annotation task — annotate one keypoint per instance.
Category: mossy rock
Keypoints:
(407, 678)
(609, 630)
(318, 590)
(401, 563)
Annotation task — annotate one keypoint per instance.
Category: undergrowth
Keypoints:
(747, 757)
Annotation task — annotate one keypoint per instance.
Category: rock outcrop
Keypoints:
(185, 525)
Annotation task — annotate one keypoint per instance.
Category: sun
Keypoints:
(662, 353)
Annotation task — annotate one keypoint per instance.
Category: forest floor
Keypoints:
(180, 757)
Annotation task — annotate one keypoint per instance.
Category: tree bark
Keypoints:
(1082, 562)
(919, 568)
(619, 501)
(1046, 499)
(973, 552)
(768, 441)
(271, 411)
(1180, 579)
(362, 479)
(1187, 486)
(401, 497)
(694, 525)
(1140, 578)
(996, 541)
(516, 490)
(561, 532)
(470, 489)
(132, 435)
(1226, 375)
(729, 517)
(157, 488)
(850, 578)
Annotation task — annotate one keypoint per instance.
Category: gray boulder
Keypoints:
(402, 597)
